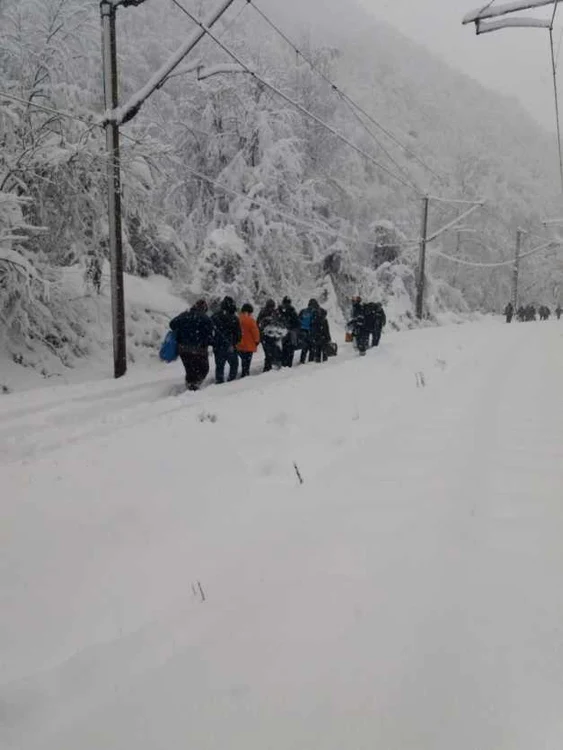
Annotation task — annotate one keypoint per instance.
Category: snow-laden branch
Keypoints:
(502, 10)
(12, 259)
(214, 70)
(512, 23)
(131, 107)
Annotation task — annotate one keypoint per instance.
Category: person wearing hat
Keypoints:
(250, 338)
(272, 333)
(226, 339)
(194, 334)
(290, 319)
(356, 306)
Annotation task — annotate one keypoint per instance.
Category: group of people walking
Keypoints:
(280, 330)
(235, 337)
(529, 312)
(366, 326)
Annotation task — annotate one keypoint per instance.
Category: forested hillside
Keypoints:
(230, 189)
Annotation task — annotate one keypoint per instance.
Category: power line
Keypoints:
(350, 103)
(475, 264)
(49, 110)
(351, 106)
(262, 204)
(455, 200)
(294, 103)
(62, 113)
(556, 94)
(279, 212)
(555, 4)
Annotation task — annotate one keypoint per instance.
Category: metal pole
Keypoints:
(516, 270)
(109, 53)
(422, 260)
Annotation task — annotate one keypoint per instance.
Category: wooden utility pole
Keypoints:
(422, 260)
(516, 271)
(109, 53)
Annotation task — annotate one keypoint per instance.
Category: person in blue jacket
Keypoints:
(306, 317)
(194, 334)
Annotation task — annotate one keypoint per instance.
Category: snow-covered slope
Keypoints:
(70, 340)
(167, 581)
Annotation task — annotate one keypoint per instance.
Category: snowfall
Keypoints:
(357, 555)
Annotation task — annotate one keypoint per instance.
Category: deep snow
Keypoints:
(407, 595)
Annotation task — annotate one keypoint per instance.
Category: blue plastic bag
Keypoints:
(169, 348)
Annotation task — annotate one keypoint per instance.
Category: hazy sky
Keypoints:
(513, 61)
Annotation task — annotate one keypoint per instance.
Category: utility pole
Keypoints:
(109, 53)
(516, 270)
(422, 260)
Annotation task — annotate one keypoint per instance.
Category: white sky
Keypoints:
(513, 61)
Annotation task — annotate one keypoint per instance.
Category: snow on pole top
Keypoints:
(501, 10)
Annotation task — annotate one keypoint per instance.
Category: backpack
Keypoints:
(169, 348)
(306, 318)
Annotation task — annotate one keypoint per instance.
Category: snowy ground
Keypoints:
(168, 582)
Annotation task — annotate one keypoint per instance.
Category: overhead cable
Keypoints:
(258, 202)
(475, 264)
(556, 94)
(279, 212)
(296, 105)
(352, 105)
(91, 124)
(456, 200)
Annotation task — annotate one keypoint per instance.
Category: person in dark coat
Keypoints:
(320, 335)
(226, 339)
(380, 322)
(194, 334)
(306, 317)
(509, 312)
(272, 333)
(290, 319)
(369, 314)
(521, 314)
(558, 311)
(361, 330)
(356, 306)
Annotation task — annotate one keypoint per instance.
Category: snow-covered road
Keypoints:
(168, 583)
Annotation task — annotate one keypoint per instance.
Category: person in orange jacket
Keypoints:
(250, 338)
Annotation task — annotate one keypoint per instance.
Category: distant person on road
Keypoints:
(226, 339)
(290, 319)
(194, 334)
(558, 311)
(509, 312)
(250, 338)
(521, 314)
(272, 333)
